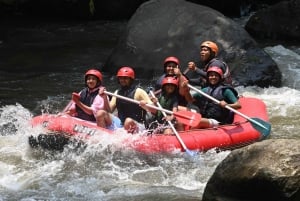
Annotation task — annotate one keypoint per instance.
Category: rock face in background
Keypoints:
(159, 29)
(71, 9)
(114, 9)
(260, 26)
(277, 22)
(269, 170)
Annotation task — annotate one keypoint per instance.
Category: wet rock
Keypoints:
(160, 28)
(268, 170)
(277, 22)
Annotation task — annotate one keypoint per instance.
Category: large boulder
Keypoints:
(162, 28)
(278, 22)
(268, 170)
(113, 9)
(235, 8)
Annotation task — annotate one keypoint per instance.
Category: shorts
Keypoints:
(116, 123)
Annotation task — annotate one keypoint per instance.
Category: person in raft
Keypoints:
(171, 68)
(208, 58)
(168, 99)
(132, 115)
(212, 113)
(89, 105)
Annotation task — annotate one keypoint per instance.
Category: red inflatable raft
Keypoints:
(240, 133)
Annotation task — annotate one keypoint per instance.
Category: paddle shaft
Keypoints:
(68, 106)
(185, 117)
(171, 125)
(137, 102)
(228, 107)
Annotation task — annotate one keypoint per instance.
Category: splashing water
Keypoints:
(107, 170)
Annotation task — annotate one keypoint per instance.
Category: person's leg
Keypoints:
(207, 123)
(103, 119)
(115, 123)
(133, 126)
(130, 125)
(213, 123)
(168, 131)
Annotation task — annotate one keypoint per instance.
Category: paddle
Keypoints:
(184, 117)
(67, 107)
(70, 103)
(259, 124)
(191, 153)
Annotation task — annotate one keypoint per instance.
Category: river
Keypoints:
(41, 64)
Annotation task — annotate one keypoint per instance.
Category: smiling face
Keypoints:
(213, 78)
(91, 81)
(169, 68)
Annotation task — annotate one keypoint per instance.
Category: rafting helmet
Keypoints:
(216, 70)
(126, 72)
(171, 59)
(211, 45)
(170, 80)
(95, 73)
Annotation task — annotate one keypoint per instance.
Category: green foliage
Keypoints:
(92, 7)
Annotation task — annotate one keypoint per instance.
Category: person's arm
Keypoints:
(70, 109)
(113, 103)
(193, 67)
(184, 90)
(106, 105)
(195, 81)
(201, 72)
(85, 108)
(233, 101)
(143, 97)
(197, 97)
(195, 75)
(98, 104)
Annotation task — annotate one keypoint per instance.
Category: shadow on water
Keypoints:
(40, 58)
(51, 46)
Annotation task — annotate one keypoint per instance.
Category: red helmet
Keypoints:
(216, 70)
(171, 59)
(170, 80)
(211, 45)
(95, 73)
(126, 72)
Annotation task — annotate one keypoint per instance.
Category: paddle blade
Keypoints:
(262, 126)
(188, 118)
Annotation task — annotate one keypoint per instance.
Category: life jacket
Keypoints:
(128, 109)
(209, 109)
(225, 68)
(87, 97)
(167, 103)
(181, 99)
